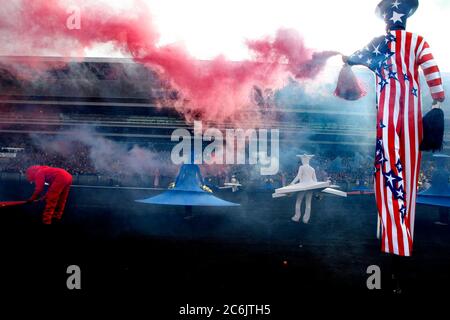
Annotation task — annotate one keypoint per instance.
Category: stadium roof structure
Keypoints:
(90, 79)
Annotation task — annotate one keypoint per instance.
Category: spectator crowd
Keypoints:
(345, 171)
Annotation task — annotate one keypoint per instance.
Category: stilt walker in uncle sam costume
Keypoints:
(395, 58)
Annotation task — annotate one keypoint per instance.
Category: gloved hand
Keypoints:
(438, 101)
(436, 104)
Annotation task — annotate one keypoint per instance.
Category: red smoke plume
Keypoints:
(289, 48)
(217, 90)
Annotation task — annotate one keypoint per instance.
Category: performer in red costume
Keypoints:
(59, 181)
(395, 58)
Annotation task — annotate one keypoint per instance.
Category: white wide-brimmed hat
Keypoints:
(304, 157)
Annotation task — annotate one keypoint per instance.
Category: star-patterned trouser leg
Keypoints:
(397, 164)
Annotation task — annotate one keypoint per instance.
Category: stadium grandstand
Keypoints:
(121, 100)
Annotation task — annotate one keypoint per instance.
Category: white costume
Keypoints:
(235, 182)
(305, 184)
(306, 174)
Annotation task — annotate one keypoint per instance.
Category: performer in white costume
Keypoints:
(306, 174)
(235, 182)
(304, 185)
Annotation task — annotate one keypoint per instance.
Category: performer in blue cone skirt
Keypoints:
(438, 194)
(188, 190)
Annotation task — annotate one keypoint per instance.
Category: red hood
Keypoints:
(31, 172)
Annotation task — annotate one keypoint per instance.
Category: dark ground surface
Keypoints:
(248, 255)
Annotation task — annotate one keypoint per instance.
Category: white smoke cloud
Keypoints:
(108, 156)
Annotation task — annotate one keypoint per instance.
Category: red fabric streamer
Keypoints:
(348, 86)
(5, 204)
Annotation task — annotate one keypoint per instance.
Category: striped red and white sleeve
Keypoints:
(431, 71)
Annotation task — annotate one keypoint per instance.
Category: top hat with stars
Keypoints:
(396, 12)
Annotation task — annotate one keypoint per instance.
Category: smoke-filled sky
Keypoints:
(274, 41)
(220, 90)
(212, 27)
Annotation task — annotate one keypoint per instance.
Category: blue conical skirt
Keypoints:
(439, 201)
(438, 194)
(188, 191)
(188, 198)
